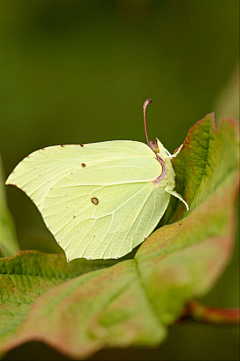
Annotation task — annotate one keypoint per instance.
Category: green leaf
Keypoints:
(133, 301)
(183, 260)
(207, 158)
(8, 241)
(26, 276)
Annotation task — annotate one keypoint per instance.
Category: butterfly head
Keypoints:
(154, 146)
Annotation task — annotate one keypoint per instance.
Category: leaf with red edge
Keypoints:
(133, 301)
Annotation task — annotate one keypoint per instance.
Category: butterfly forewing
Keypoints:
(37, 173)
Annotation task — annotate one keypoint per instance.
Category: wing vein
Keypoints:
(135, 219)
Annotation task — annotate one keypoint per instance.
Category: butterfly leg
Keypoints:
(175, 194)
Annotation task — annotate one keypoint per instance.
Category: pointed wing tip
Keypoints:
(10, 178)
(10, 182)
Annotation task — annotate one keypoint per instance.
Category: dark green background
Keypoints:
(79, 72)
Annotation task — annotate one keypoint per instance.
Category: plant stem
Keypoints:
(215, 316)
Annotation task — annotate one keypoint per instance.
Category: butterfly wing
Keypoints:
(98, 200)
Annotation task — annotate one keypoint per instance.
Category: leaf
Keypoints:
(133, 301)
(185, 258)
(207, 158)
(26, 276)
(8, 241)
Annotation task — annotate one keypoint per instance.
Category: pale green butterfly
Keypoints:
(99, 200)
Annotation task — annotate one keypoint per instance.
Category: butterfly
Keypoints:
(99, 200)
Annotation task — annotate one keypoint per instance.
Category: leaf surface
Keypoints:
(209, 155)
(26, 276)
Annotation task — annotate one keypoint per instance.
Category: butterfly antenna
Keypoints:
(145, 104)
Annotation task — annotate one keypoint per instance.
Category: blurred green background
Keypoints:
(79, 72)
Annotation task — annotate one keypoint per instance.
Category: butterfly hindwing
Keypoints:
(124, 215)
